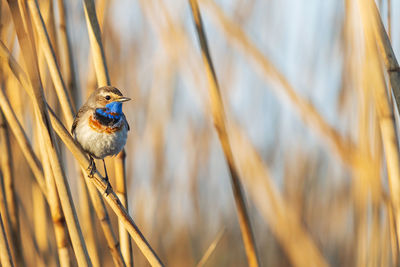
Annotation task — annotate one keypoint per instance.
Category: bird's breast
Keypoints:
(100, 128)
(100, 140)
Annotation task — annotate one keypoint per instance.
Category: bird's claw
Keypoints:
(91, 168)
(92, 171)
(108, 189)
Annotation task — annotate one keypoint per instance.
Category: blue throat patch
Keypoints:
(113, 110)
(115, 107)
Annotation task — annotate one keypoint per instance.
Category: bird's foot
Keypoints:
(109, 187)
(92, 171)
(92, 168)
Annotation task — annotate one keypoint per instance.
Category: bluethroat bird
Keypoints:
(100, 126)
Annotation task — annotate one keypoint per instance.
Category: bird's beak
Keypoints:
(123, 99)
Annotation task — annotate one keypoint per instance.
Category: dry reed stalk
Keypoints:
(96, 44)
(105, 223)
(44, 73)
(55, 72)
(68, 114)
(219, 123)
(66, 59)
(96, 199)
(103, 79)
(385, 259)
(173, 37)
(394, 248)
(68, 110)
(374, 244)
(158, 113)
(40, 225)
(28, 233)
(86, 212)
(99, 181)
(120, 190)
(6, 167)
(360, 195)
(281, 217)
(23, 142)
(6, 217)
(386, 52)
(368, 178)
(102, 6)
(374, 76)
(159, 105)
(159, 102)
(211, 248)
(364, 183)
(53, 201)
(389, 18)
(91, 81)
(57, 215)
(88, 227)
(307, 112)
(48, 15)
(5, 254)
(26, 44)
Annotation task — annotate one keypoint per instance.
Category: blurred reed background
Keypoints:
(296, 106)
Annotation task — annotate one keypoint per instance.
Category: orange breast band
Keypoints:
(98, 127)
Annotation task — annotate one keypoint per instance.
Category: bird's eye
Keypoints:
(108, 97)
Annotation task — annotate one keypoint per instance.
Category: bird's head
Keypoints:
(107, 98)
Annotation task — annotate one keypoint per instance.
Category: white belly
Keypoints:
(100, 145)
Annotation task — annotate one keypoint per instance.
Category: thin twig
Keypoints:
(211, 248)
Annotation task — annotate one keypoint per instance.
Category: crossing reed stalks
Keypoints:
(292, 104)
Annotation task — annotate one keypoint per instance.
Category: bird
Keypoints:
(100, 127)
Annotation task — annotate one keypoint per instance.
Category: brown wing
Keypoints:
(81, 111)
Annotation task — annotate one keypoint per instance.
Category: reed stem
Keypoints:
(5, 254)
(103, 79)
(28, 51)
(219, 123)
(6, 168)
